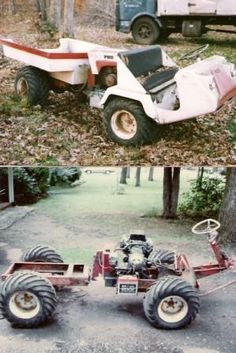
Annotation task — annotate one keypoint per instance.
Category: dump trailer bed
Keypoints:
(70, 62)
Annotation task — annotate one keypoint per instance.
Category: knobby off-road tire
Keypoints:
(146, 31)
(127, 124)
(42, 253)
(172, 303)
(32, 85)
(162, 256)
(27, 300)
(1, 308)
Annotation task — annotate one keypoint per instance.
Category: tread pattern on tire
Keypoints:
(162, 256)
(38, 83)
(146, 126)
(39, 286)
(1, 309)
(167, 286)
(42, 253)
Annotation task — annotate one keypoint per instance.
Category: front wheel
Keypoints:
(172, 303)
(27, 300)
(126, 122)
(146, 31)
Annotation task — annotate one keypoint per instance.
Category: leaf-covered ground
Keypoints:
(67, 132)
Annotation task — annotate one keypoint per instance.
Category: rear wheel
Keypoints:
(27, 299)
(126, 122)
(32, 85)
(171, 303)
(162, 256)
(146, 31)
(42, 253)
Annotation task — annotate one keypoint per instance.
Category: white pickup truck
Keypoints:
(152, 20)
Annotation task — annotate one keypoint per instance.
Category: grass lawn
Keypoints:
(101, 193)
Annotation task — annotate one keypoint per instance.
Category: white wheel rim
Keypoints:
(172, 309)
(22, 87)
(24, 305)
(124, 124)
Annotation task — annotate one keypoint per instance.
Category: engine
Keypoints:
(132, 254)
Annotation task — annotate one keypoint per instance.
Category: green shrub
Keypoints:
(41, 175)
(64, 176)
(30, 184)
(204, 198)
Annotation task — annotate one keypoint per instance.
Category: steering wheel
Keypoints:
(205, 227)
(194, 53)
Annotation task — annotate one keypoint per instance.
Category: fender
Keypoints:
(145, 14)
(144, 99)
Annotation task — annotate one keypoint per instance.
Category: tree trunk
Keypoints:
(171, 182)
(69, 19)
(42, 9)
(138, 177)
(167, 181)
(175, 192)
(12, 6)
(55, 13)
(228, 210)
(123, 175)
(151, 174)
(128, 173)
(200, 174)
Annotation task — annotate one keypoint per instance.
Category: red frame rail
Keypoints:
(59, 275)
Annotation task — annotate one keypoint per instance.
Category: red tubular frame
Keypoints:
(208, 269)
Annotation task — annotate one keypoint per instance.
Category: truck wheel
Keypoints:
(42, 253)
(171, 303)
(126, 123)
(32, 85)
(162, 256)
(27, 300)
(146, 31)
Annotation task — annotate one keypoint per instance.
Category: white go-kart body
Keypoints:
(136, 88)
